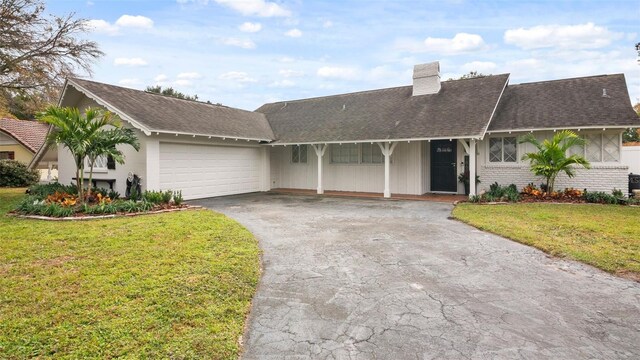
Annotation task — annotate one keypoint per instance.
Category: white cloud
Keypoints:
(238, 76)
(582, 36)
(484, 67)
(241, 43)
(101, 26)
(255, 7)
(295, 33)
(189, 75)
(250, 27)
(129, 61)
(137, 21)
(129, 82)
(182, 82)
(283, 83)
(288, 73)
(161, 78)
(327, 24)
(460, 43)
(286, 59)
(335, 72)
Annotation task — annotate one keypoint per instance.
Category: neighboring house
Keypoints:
(407, 140)
(21, 140)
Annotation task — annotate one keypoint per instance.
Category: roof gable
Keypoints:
(31, 134)
(566, 103)
(160, 113)
(462, 108)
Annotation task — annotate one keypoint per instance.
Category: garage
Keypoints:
(202, 171)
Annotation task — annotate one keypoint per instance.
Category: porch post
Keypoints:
(387, 150)
(472, 167)
(320, 149)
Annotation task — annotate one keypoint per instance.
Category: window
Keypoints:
(299, 154)
(371, 154)
(604, 147)
(7, 155)
(344, 154)
(503, 149)
(102, 164)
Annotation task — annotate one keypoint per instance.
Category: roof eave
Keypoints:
(476, 137)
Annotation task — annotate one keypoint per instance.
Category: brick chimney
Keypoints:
(426, 78)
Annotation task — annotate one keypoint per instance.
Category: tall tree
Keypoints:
(38, 51)
(470, 75)
(169, 91)
(632, 134)
(551, 157)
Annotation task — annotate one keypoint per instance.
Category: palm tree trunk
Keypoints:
(90, 184)
(79, 177)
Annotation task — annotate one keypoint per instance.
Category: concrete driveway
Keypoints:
(365, 279)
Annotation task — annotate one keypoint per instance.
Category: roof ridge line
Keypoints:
(566, 79)
(163, 95)
(370, 91)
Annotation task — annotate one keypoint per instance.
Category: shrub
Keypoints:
(16, 174)
(177, 197)
(100, 209)
(157, 197)
(130, 206)
(502, 193)
(30, 205)
(166, 196)
(41, 191)
(113, 195)
(599, 197)
(617, 193)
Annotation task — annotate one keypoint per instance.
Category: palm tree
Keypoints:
(104, 144)
(78, 132)
(551, 157)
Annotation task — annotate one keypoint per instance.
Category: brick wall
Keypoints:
(598, 178)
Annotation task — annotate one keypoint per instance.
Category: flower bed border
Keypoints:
(85, 217)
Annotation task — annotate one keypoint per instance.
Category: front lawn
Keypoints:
(605, 236)
(175, 285)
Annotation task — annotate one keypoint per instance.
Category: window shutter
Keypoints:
(12, 155)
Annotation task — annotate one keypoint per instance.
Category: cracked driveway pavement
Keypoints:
(364, 279)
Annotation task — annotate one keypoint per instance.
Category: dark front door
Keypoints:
(443, 166)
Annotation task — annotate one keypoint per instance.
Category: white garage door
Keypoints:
(204, 171)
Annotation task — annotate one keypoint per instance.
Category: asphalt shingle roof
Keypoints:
(168, 114)
(462, 108)
(31, 134)
(566, 103)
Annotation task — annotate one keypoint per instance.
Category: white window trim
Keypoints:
(359, 163)
(299, 162)
(102, 170)
(601, 133)
(502, 162)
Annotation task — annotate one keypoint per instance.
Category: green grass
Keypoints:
(605, 236)
(174, 285)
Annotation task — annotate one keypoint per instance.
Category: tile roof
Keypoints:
(462, 108)
(168, 114)
(32, 134)
(566, 103)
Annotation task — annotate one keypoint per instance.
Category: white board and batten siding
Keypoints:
(406, 171)
(202, 171)
(630, 156)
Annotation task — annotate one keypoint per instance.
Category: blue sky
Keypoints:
(248, 52)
